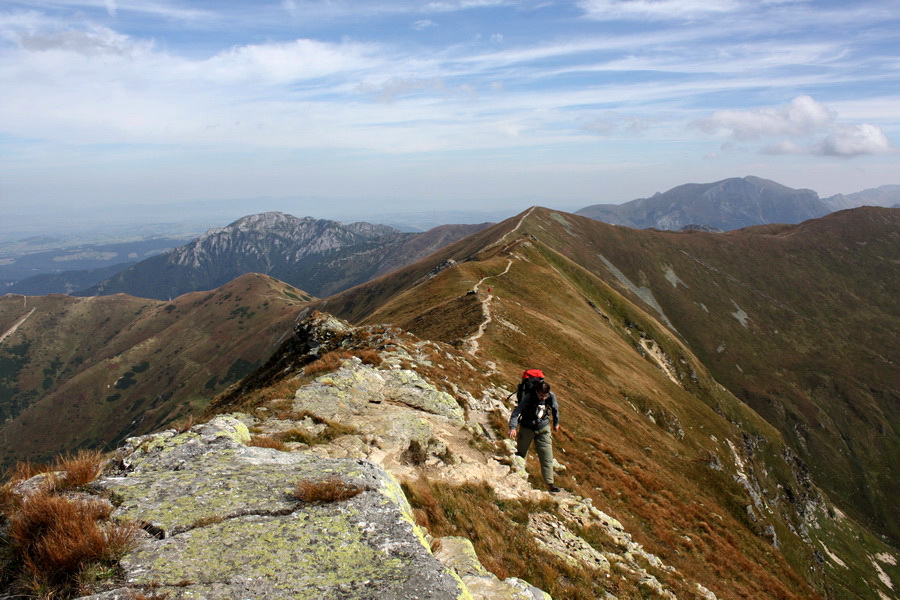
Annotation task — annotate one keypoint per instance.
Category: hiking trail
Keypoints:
(16, 325)
(472, 341)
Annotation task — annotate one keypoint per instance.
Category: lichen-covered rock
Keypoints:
(355, 386)
(225, 524)
(555, 537)
(458, 554)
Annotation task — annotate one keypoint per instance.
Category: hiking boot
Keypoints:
(553, 488)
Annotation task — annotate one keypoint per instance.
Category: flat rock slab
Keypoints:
(225, 525)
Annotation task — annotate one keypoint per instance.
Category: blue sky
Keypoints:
(468, 104)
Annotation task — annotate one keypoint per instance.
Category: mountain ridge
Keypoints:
(101, 369)
(732, 203)
(317, 255)
(846, 252)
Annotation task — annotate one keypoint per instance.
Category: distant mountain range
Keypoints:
(44, 265)
(324, 257)
(732, 204)
(319, 256)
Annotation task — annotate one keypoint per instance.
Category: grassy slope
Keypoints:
(93, 370)
(822, 301)
(653, 473)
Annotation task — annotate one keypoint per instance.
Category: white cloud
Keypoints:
(784, 147)
(800, 121)
(423, 24)
(301, 59)
(854, 140)
(803, 116)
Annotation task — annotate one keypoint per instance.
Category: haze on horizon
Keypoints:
(395, 105)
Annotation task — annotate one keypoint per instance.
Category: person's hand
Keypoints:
(512, 434)
(555, 428)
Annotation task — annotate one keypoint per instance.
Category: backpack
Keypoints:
(535, 412)
(531, 378)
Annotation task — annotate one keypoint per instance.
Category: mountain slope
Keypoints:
(726, 205)
(320, 256)
(798, 321)
(765, 309)
(887, 196)
(88, 372)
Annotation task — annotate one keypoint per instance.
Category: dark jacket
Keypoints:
(522, 414)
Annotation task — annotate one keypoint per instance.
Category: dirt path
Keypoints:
(472, 341)
(16, 325)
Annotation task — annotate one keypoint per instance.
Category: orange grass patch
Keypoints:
(330, 489)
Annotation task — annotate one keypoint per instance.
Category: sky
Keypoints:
(394, 105)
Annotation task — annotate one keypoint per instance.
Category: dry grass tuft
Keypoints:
(326, 363)
(59, 546)
(55, 538)
(332, 430)
(330, 489)
(25, 470)
(151, 592)
(80, 469)
(206, 521)
(369, 357)
(268, 441)
(184, 425)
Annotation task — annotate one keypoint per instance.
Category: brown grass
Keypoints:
(184, 425)
(498, 529)
(326, 363)
(330, 489)
(56, 538)
(332, 430)
(59, 546)
(206, 521)
(369, 357)
(24, 470)
(268, 441)
(81, 468)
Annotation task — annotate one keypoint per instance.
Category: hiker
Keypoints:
(530, 420)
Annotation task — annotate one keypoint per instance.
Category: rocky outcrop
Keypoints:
(222, 523)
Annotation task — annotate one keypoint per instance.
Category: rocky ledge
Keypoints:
(222, 519)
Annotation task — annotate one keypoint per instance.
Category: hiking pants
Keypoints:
(543, 444)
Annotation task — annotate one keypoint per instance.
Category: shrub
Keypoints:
(330, 489)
